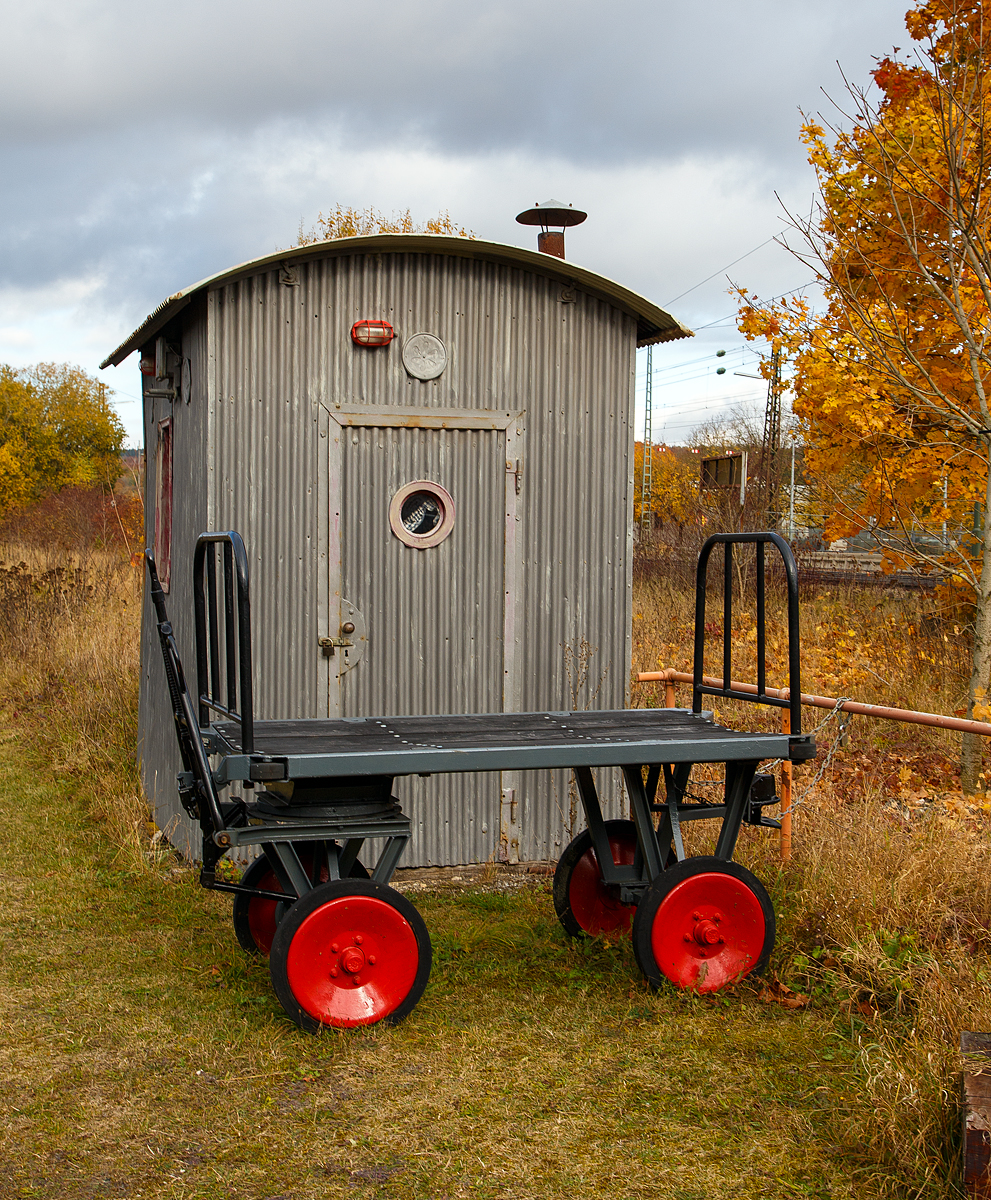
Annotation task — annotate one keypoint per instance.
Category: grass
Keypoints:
(143, 1054)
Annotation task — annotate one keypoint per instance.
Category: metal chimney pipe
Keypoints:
(551, 241)
(553, 217)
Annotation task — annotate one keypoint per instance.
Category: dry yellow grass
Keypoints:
(69, 658)
(885, 909)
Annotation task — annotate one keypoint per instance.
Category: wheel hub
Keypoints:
(352, 960)
(706, 933)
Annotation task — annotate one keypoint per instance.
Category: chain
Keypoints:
(834, 712)
(839, 741)
(843, 722)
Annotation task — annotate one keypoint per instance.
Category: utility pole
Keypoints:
(771, 446)
(791, 494)
(647, 471)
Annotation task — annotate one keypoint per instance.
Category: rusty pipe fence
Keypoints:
(670, 678)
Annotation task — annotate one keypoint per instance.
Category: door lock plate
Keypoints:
(329, 644)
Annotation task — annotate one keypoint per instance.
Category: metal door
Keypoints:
(422, 596)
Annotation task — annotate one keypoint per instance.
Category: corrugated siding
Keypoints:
(576, 598)
(265, 469)
(284, 363)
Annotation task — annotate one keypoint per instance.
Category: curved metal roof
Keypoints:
(653, 323)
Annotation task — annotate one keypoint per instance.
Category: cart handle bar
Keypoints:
(231, 695)
(191, 749)
(700, 688)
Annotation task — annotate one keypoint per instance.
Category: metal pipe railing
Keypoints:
(908, 715)
(670, 677)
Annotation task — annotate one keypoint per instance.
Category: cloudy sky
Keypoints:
(147, 146)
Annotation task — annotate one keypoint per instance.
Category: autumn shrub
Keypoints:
(77, 520)
(885, 917)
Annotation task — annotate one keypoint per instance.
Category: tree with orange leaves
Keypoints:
(891, 380)
(673, 487)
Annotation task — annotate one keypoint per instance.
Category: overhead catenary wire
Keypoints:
(693, 411)
(690, 412)
(726, 268)
(684, 379)
(742, 353)
(684, 374)
(781, 296)
(693, 362)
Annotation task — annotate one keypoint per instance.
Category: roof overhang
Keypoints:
(653, 323)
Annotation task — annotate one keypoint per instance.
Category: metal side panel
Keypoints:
(157, 749)
(267, 465)
(576, 509)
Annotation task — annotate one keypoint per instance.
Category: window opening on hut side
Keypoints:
(163, 502)
(422, 514)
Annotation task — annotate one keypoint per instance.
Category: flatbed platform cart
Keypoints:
(345, 949)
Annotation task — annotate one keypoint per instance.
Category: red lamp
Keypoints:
(372, 333)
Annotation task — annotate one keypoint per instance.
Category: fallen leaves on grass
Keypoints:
(777, 992)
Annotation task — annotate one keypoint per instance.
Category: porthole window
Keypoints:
(422, 514)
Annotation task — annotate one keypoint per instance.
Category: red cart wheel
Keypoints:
(584, 904)
(351, 952)
(254, 916)
(703, 924)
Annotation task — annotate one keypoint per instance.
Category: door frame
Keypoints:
(401, 417)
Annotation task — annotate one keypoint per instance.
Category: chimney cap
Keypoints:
(552, 212)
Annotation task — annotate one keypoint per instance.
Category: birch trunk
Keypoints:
(972, 744)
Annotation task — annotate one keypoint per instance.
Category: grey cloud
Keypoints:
(153, 145)
(631, 79)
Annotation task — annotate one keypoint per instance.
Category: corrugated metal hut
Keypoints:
(461, 496)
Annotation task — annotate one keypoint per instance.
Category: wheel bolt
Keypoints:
(696, 916)
(357, 981)
(371, 960)
(721, 940)
(688, 937)
(358, 939)
(333, 972)
(334, 947)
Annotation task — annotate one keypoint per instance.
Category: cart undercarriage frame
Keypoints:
(346, 949)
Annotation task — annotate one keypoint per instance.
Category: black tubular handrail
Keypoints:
(700, 689)
(191, 749)
(231, 695)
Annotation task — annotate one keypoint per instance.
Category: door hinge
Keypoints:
(515, 467)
